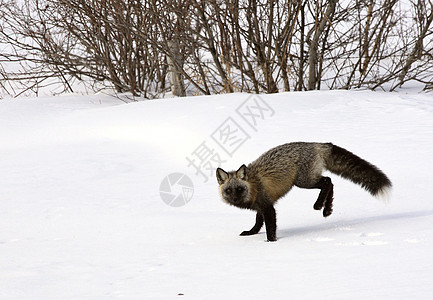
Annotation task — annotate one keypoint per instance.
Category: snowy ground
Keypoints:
(81, 214)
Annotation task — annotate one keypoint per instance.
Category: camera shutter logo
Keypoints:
(176, 189)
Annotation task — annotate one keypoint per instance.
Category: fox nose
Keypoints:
(235, 199)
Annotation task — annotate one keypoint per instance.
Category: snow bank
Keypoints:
(81, 215)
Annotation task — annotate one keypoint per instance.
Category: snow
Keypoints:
(81, 214)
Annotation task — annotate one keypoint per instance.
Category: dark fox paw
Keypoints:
(247, 232)
(318, 206)
(327, 212)
(272, 239)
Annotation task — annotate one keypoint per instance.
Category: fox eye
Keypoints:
(228, 191)
(239, 189)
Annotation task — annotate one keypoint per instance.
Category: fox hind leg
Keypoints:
(327, 209)
(325, 197)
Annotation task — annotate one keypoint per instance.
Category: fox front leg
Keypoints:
(256, 228)
(270, 222)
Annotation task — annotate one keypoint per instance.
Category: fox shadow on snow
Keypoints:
(298, 231)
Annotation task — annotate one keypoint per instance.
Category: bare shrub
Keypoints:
(218, 46)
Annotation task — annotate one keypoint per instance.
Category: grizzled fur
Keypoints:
(274, 173)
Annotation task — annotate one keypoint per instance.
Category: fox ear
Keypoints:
(242, 172)
(221, 175)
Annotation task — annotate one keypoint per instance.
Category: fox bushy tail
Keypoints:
(352, 167)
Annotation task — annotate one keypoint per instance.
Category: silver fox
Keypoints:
(274, 173)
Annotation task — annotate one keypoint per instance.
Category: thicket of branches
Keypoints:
(214, 46)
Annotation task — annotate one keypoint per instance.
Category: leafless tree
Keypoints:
(147, 47)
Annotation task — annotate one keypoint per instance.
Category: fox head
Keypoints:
(234, 187)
